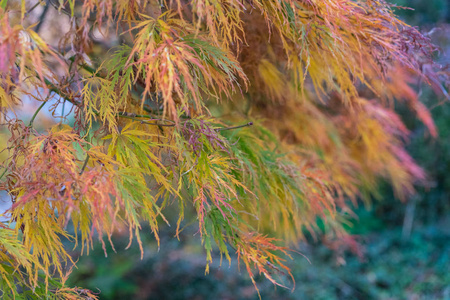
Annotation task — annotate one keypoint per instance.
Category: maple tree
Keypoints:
(255, 118)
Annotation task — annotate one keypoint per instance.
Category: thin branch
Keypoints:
(33, 7)
(42, 17)
(53, 88)
(136, 117)
(84, 66)
(36, 113)
(62, 112)
(84, 164)
(60, 8)
(4, 172)
(151, 119)
(133, 115)
(234, 127)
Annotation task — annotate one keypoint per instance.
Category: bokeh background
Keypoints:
(405, 247)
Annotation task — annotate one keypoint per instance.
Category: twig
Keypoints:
(42, 17)
(35, 114)
(84, 164)
(148, 123)
(133, 115)
(62, 112)
(53, 88)
(61, 8)
(84, 66)
(234, 127)
(33, 7)
(3, 174)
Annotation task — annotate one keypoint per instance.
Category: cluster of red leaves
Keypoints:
(257, 251)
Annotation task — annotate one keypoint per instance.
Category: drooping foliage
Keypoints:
(254, 118)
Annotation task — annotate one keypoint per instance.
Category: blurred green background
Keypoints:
(406, 245)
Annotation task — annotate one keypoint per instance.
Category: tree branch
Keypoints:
(42, 17)
(4, 172)
(84, 164)
(234, 127)
(136, 117)
(128, 116)
(36, 113)
(33, 7)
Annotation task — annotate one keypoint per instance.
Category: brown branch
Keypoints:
(130, 116)
(42, 17)
(32, 8)
(84, 164)
(234, 127)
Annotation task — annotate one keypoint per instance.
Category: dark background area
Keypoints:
(406, 245)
